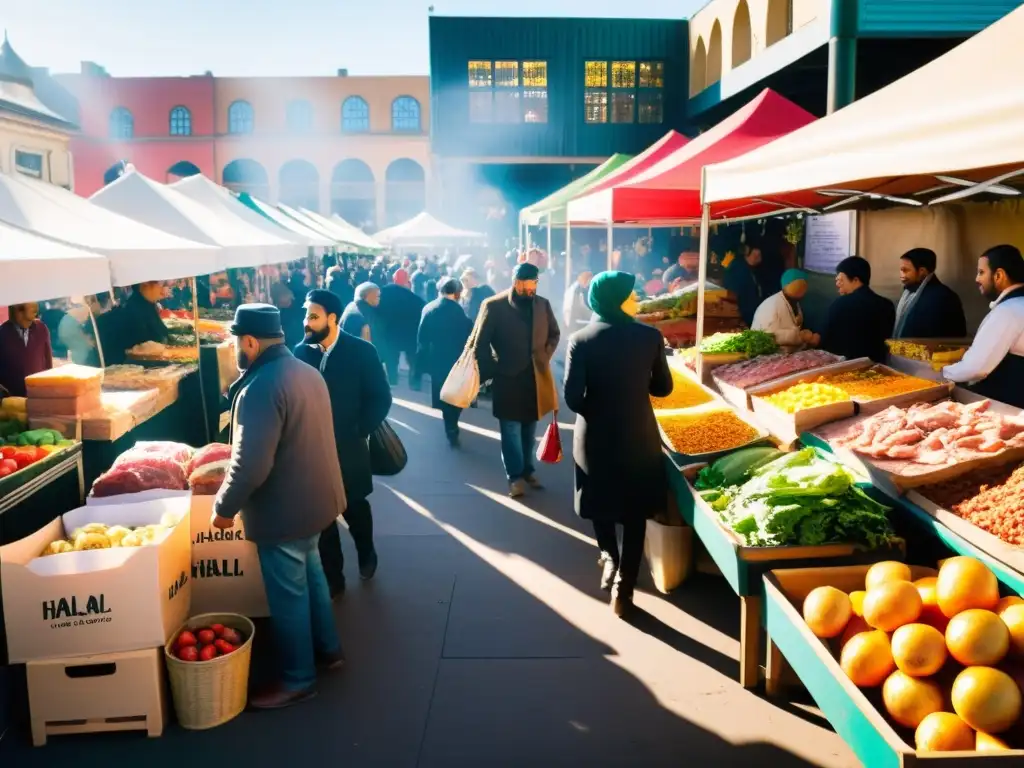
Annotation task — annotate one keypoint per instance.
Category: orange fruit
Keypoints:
(919, 650)
(886, 571)
(1006, 602)
(977, 638)
(892, 604)
(855, 627)
(827, 611)
(943, 732)
(857, 601)
(930, 612)
(867, 659)
(909, 700)
(984, 742)
(966, 583)
(986, 699)
(1013, 618)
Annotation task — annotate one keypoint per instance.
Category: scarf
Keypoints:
(607, 292)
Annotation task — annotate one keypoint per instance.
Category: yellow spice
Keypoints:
(708, 432)
(685, 393)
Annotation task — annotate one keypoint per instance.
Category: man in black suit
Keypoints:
(928, 309)
(860, 320)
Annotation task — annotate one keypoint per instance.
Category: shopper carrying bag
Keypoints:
(550, 449)
(463, 383)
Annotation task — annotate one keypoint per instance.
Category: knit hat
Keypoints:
(525, 271)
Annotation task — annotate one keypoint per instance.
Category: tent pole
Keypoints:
(611, 225)
(550, 260)
(702, 275)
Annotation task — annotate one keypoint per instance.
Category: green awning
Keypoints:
(556, 203)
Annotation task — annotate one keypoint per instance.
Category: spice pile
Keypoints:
(801, 397)
(750, 373)
(693, 434)
(940, 434)
(685, 394)
(875, 383)
(992, 499)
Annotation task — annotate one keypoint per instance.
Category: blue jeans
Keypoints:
(300, 608)
(517, 448)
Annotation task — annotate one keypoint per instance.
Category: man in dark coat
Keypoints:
(613, 368)
(443, 332)
(340, 284)
(399, 313)
(360, 317)
(140, 316)
(477, 292)
(741, 280)
(860, 320)
(360, 400)
(285, 480)
(928, 309)
(516, 337)
(24, 348)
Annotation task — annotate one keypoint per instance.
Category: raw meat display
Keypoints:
(750, 373)
(992, 499)
(122, 480)
(209, 454)
(935, 434)
(207, 479)
(178, 452)
(171, 468)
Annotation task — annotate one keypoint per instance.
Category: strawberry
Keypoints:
(223, 646)
(206, 636)
(218, 630)
(185, 639)
(208, 652)
(188, 653)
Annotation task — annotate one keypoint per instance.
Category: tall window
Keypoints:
(508, 91)
(405, 115)
(623, 91)
(240, 117)
(299, 115)
(122, 124)
(355, 115)
(181, 122)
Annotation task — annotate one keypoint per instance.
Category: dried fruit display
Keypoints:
(694, 434)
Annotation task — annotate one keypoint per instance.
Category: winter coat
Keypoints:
(443, 332)
(937, 314)
(284, 475)
(360, 401)
(399, 314)
(477, 296)
(514, 347)
(858, 325)
(357, 316)
(611, 372)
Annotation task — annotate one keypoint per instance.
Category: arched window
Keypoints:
(699, 68)
(742, 35)
(715, 55)
(122, 124)
(299, 115)
(405, 115)
(181, 122)
(355, 115)
(240, 117)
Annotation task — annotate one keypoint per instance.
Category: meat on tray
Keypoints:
(759, 370)
(992, 499)
(936, 434)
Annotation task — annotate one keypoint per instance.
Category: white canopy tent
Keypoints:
(282, 219)
(339, 236)
(136, 252)
(36, 268)
(293, 245)
(952, 128)
(350, 231)
(139, 197)
(423, 229)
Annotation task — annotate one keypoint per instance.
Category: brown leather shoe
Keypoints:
(622, 604)
(279, 698)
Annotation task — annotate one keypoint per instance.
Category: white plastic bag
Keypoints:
(463, 383)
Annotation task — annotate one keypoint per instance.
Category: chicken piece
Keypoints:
(903, 437)
(936, 441)
(936, 458)
(1010, 427)
(991, 445)
(979, 407)
(933, 418)
(910, 452)
(969, 443)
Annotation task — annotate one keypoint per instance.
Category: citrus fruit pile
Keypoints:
(947, 652)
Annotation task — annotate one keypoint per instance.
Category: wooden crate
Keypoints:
(743, 567)
(93, 694)
(854, 717)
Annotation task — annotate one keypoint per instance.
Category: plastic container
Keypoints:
(210, 693)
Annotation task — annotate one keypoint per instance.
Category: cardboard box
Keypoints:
(94, 694)
(42, 407)
(225, 575)
(97, 601)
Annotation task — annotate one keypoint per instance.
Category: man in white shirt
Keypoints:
(780, 314)
(994, 365)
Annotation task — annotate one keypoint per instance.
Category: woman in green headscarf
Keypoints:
(613, 367)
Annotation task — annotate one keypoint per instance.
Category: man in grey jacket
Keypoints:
(285, 480)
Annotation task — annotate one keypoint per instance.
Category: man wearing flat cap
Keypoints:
(360, 400)
(516, 337)
(285, 480)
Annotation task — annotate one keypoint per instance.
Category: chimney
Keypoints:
(343, 73)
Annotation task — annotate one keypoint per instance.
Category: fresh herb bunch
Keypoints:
(749, 343)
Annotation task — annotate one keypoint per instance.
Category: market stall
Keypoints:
(424, 230)
(311, 235)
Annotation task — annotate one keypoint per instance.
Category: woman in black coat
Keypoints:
(443, 332)
(613, 367)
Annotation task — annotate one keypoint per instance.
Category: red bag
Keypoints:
(550, 449)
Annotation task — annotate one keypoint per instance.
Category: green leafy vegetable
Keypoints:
(802, 498)
(750, 343)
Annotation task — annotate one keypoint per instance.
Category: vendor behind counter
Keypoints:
(24, 348)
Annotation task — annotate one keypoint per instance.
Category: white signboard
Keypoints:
(828, 240)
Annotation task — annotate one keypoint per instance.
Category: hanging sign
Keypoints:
(828, 239)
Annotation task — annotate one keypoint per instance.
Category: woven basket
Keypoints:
(210, 693)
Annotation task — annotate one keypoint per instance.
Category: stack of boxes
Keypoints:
(70, 391)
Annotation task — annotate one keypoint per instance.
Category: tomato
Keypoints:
(206, 636)
(5, 471)
(233, 636)
(23, 460)
(9, 463)
(188, 653)
(208, 652)
(223, 646)
(186, 638)
(218, 630)
(8, 451)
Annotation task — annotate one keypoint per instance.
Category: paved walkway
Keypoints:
(485, 641)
